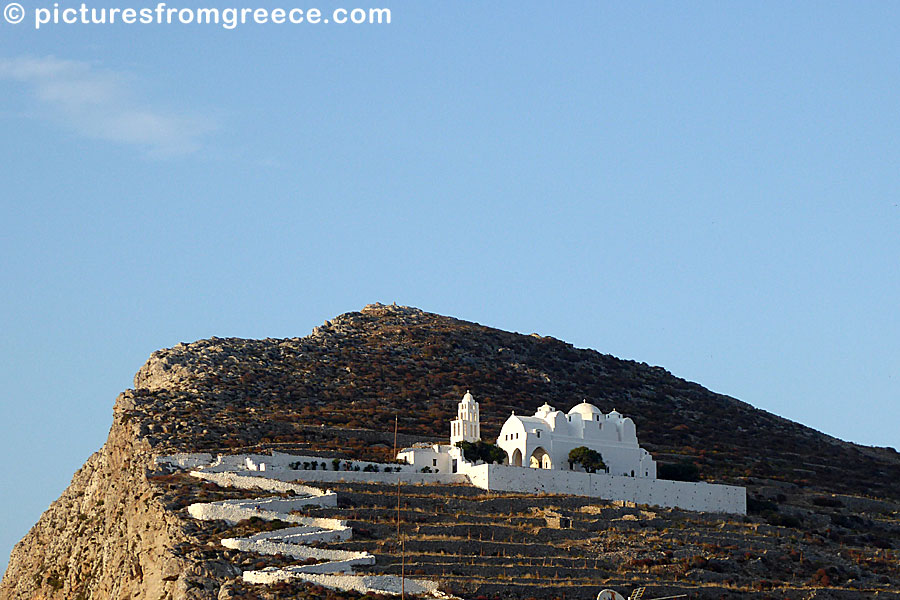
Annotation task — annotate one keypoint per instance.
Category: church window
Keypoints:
(538, 432)
(433, 462)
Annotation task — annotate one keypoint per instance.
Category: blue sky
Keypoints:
(710, 187)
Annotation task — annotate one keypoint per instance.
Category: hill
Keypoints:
(120, 531)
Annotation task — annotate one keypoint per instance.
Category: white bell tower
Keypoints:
(466, 426)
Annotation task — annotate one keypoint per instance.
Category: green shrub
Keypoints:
(481, 450)
(590, 460)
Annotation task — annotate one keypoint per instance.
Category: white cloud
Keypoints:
(101, 104)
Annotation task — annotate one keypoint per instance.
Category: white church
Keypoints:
(537, 459)
(543, 441)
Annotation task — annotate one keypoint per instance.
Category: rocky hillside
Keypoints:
(362, 369)
(119, 530)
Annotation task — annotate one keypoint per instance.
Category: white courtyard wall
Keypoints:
(359, 476)
(281, 480)
(283, 461)
(236, 462)
(277, 460)
(660, 492)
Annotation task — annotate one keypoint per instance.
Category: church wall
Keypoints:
(659, 492)
(419, 458)
(621, 460)
(648, 465)
(614, 438)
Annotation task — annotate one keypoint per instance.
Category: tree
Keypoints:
(590, 460)
(480, 450)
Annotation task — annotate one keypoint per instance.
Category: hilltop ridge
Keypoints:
(364, 367)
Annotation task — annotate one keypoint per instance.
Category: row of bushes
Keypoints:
(338, 465)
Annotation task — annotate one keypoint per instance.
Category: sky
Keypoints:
(712, 187)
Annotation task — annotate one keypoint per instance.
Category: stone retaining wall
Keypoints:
(386, 584)
(257, 480)
(298, 550)
(233, 511)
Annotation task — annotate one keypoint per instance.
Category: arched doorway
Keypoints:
(540, 459)
(516, 458)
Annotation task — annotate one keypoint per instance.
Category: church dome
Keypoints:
(587, 411)
(544, 410)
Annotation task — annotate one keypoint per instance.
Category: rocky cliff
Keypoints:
(120, 531)
(109, 535)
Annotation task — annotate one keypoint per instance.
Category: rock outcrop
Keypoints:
(109, 535)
